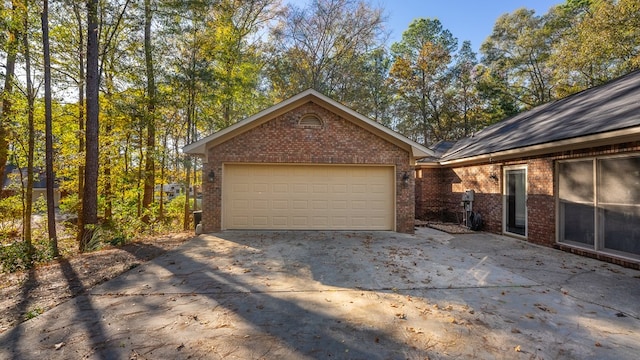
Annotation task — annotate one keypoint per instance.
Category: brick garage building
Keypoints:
(565, 174)
(308, 163)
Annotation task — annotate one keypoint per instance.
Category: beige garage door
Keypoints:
(308, 197)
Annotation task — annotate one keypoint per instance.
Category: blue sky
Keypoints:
(466, 19)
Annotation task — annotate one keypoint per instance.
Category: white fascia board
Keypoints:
(199, 147)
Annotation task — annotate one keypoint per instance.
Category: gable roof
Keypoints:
(597, 116)
(199, 147)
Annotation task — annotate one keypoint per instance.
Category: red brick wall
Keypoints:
(487, 182)
(541, 203)
(449, 183)
(281, 140)
(429, 190)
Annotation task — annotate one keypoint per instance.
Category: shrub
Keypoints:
(10, 218)
(15, 256)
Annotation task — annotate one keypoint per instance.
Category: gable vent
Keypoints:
(311, 122)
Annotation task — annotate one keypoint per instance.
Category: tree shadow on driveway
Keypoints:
(261, 320)
(21, 345)
(308, 295)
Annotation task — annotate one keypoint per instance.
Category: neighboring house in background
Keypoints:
(565, 174)
(173, 190)
(169, 191)
(11, 183)
(308, 163)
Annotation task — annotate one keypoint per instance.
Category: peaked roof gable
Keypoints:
(200, 147)
(609, 110)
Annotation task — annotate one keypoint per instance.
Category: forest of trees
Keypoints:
(104, 94)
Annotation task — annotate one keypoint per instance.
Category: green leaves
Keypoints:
(576, 45)
(422, 80)
(517, 52)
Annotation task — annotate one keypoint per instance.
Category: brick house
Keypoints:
(565, 174)
(308, 163)
(12, 184)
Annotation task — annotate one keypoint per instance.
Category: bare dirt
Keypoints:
(26, 294)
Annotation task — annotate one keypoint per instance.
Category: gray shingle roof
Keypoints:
(612, 106)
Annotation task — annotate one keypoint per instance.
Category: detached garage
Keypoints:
(308, 163)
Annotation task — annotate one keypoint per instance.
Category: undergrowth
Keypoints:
(125, 226)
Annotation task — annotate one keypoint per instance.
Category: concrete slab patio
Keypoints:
(347, 295)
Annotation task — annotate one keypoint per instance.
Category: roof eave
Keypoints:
(429, 164)
(594, 140)
(200, 147)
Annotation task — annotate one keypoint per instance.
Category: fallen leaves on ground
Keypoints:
(50, 284)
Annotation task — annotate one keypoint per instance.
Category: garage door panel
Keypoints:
(340, 172)
(300, 204)
(358, 204)
(359, 220)
(260, 220)
(339, 188)
(300, 220)
(320, 221)
(260, 171)
(339, 220)
(240, 187)
(308, 197)
(359, 188)
(300, 188)
(260, 188)
(320, 204)
(339, 204)
(280, 221)
(280, 188)
(280, 204)
(359, 172)
(241, 204)
(240, 221)
(260, 204)
(320, 188)
(377, 205)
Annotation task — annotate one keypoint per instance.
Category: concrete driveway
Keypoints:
(347, 295)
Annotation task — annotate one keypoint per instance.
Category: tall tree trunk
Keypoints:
(108, 187)
(31, 137)
(90, 195)
(163, 164)
(51, 211)
(190, 120)
(5, 116)
(139, 191)
(107, 145)
(149, 169)
(81, 117)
